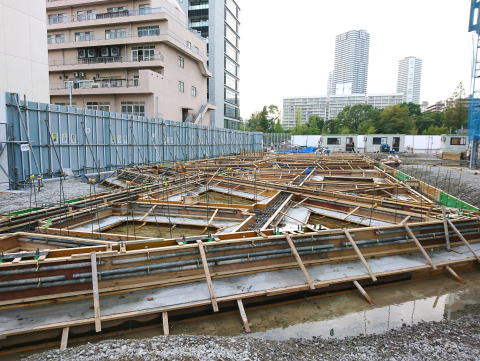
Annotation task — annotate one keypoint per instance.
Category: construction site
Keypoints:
(168, 243)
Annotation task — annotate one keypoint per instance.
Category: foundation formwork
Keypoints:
(205, 236)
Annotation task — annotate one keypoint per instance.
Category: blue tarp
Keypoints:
(304, 150)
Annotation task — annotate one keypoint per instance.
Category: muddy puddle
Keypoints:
(158, 230)
(345, 315)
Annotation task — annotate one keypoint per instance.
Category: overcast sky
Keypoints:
(287, 47)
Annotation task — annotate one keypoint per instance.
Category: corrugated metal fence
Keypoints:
(44, 139)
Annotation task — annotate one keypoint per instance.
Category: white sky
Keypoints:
(287, 47)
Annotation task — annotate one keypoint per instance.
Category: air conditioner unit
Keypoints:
(115, 51)
(76, 74)
(104, 52)
(82, 53)
(91, 53)
(95, 85)
(81, 74)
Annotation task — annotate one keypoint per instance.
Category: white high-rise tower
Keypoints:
(350, 73)
(410, 78)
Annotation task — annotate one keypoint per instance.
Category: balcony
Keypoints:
(108, 62)
(146, 83)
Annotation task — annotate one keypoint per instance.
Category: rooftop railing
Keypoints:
(95, 84)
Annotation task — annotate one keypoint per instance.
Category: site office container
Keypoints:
(372, 143)
(453, 143)
(339, 142)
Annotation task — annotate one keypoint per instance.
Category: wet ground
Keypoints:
(394, 329)
(345, 315)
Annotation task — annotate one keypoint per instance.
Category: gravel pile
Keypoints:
(453, 340)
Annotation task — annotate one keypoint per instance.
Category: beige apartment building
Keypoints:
(130, 56)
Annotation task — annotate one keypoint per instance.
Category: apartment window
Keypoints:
(148, 30)
(232, 7)
(134, 108)
(115, 33)
(181, 62)
(85, 36)
(231, 67)
(230, 111)
(230, 51)
(86, 15)
(230, 81)
(181, 86)
(457, 141)
(230, 35)
(57, 38)
(231, 96)
(189, 44)
(142, 53)
(102, 106)
(117, 9)
(333, 141)
(144, 9)
(135, 80)
(230, 20)
(57, 18)
(194, 91)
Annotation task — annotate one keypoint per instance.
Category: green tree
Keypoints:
(455, 116)
(396, 119)
(367, 127)
(428, 119)
(352, 116)
(413, 109)
(278, 128)
(264, 120)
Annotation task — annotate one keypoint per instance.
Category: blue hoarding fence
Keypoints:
(45, 139)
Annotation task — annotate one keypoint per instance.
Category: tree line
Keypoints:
(405, 118)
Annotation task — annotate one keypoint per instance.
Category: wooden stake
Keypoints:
(300, 263)
(207, 276)
(350, 213)
(359, 254)
(454, 274)
(243, 315)
(445, 228)
(96, 301)
(166, 328)
(420, 247)
(63, 343)
(463, 239)
(363, 292)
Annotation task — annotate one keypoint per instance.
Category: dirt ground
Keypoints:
(50, 194)
(460, 182)
(444, 341)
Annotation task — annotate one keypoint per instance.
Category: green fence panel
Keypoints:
(453, 202)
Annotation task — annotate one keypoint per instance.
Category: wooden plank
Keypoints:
(445, 228)
(419, 246)
(300, 263)
(363, 292)
(207, 276)
(243, 315)
(463, 239)
(352, 212)
(405, 220)
(64, 341)
(454, 274)
(166, 328)
(359, 254)
(96, 301)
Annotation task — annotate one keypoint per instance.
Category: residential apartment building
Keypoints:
(410, 78)
(128, 56)
(350, 73)
(329, 107)
(303, 108)
(23, 49)
(218, 22)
